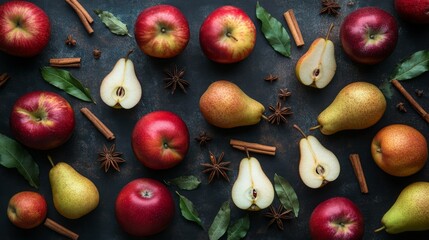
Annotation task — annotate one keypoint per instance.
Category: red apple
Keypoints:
(42, 120)
(162, 31)
(160, 140)
(227, 35)
(144, 207)
(27, 209)
(24, 28)
(369, 35)
(414, 11)
(337, 218)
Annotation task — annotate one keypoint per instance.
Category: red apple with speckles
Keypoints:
(414, 11)
(27, 209)
(144, 207)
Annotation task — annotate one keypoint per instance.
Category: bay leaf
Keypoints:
(189, 212)
(13, 155)
(274, 31)
(63, 80)
(220, 223)
(412, 66)
(185, 182)
(286, 194)
(239, 229)
(112, 23)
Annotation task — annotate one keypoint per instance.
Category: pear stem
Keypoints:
(315, 127)
(380, 229)
(51, 161)
(128, 54)
(300, 130)
(329, 31)
(264, 117)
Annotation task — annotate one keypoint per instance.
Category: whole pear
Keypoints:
(358, 105)
(73, 194)
(225, 105)
(410, 211)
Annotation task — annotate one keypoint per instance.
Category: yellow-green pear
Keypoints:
(316, 68)
(358, 105)
(225, 105)
(252, 190)
(121, 88)
(73, 194)
(410, 212)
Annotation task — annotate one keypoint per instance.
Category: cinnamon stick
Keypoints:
(83, 10)
(253, 147)
(49, 223)
(73, 65)
(81, 16)
(98, 124)
(411, 100)
(61, 61)
(357, 168)
(289, 16)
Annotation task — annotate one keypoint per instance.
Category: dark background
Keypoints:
(82, 149)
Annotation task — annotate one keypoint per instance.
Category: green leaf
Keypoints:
(188, 210)
(112, 23)
(239, 229)
(185, 182)
(412, 66)
(286, 194)
(220, 222)
(274, 31)
(62, 79)
(13, 155)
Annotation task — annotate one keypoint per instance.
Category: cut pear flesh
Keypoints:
(317, 165)
(252, 190)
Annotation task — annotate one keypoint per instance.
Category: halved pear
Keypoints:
(121, 88)
(317, 66)
(252, 190)
(317, 165)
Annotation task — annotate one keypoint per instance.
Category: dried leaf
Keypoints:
(286, 194)
(185, 182)
(239, 229)
(13, 155)
(188, 210)
(220, 222)
(412, 66)
(112, 23)
(62, 79)
(274, 31)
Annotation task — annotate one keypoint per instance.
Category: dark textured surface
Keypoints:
(81, 150)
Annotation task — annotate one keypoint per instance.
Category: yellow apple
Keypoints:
(399, 150)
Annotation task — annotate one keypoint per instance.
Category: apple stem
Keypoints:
(51, 161)
(229, 34)
(329, 31)
(300, 130)
(128, 54)
(380, 229)
(315, 127)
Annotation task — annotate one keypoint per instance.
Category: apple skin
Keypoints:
(162, 31)
(144, 207)
(369, 35)
(160, 140)
(337, 218)
(227, 35)
(399, 150)
(413, 11)
(24, 29)
(42, 120)
(27, 209)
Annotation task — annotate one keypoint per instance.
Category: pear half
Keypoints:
(252, 190)
(317, 165)
(316, 68)
(121, 88)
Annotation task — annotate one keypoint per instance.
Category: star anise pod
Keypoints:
(271, 78)
(203, 138)
(70, 41)
(419, 92)
(330, 7)
(278, 215)
(110, 158)
(96, 53)
(175, 78)
(284, 93)
(401, 107)
(279, 113)
(216, 167)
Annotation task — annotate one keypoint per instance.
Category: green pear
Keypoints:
(73, 194)
(410, 212)
(358, 105)
(252, 190)
(225, 105)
